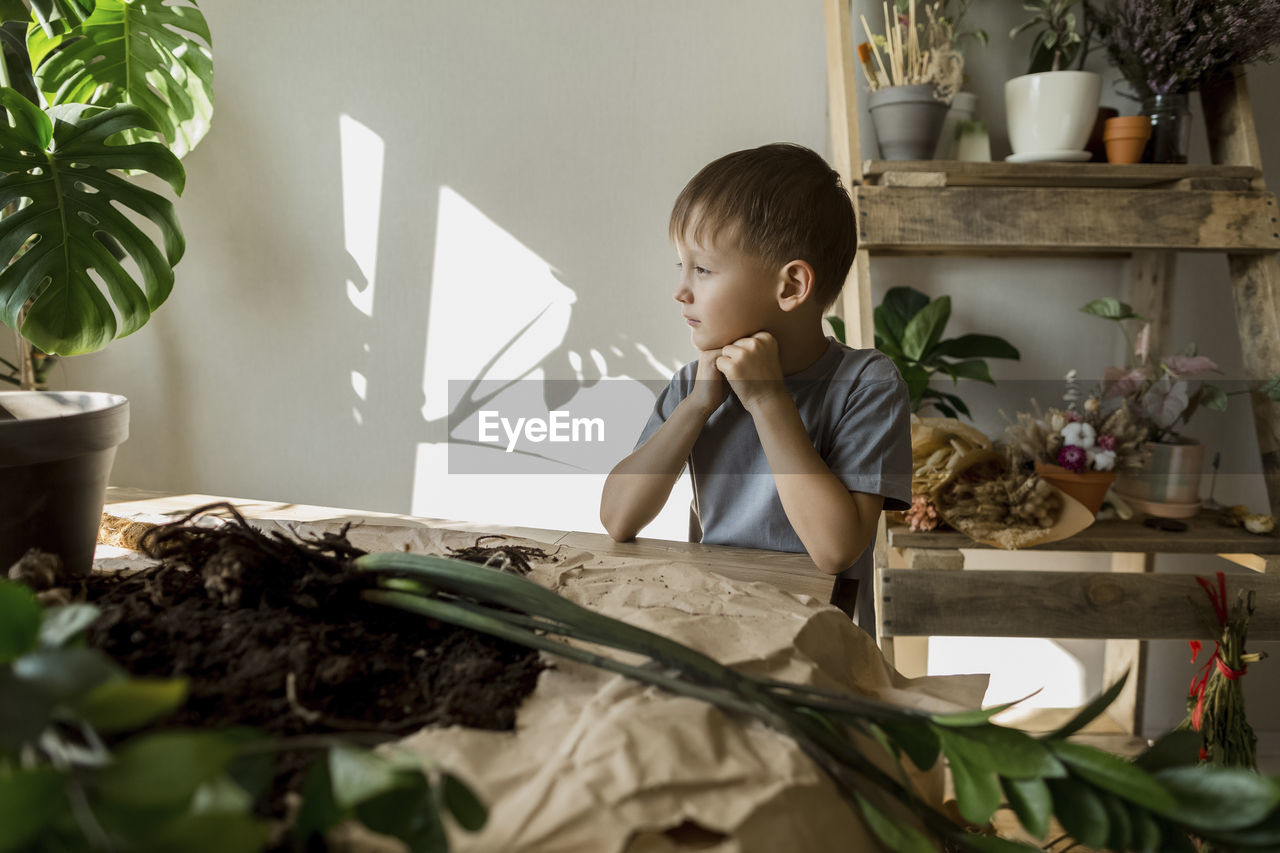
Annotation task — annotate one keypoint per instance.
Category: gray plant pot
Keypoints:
(907, 120)
(56, 450)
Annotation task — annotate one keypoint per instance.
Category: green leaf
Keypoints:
(1114, 774)
(65, 674)
(960, 719)
(118, 706)
(1090, 712)
(925, 328)
(973, 369)
(1261, 836)
(895, 311)
(1031, 802)
(359, 775)
(899, 837)
(1218, 798)
(1145, 835)
(319, 811)
(25, 710)
(1271, 388)
(977, 788)
(1177, 748)
(1213, 397)
(462, 803)
(148, 53)
(19, 620)
(976, 346)
(955, 401)
(29, 800)
(1120, 836)
(917, 379)
(164, 768)
(837, 326)
(407, 812)
(61, 624)
(1080, 811)
(1111, 308)
(916, 738)
(76, 201)
(223, 832)
(1009, 752)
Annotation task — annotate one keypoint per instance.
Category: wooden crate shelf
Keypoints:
(1204, 535)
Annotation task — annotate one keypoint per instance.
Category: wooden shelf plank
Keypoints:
(1204, 535)
(1097, 175)
(1076, 605)
(907, 220)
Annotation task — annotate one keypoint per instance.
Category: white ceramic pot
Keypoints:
(1051, 112)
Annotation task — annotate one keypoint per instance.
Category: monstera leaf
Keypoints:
(153, 54)
(58, 169)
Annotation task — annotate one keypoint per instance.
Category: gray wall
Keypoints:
(325, 300)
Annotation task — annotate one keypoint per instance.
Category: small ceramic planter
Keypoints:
(1170, 484)
(908, 121)
(1126, 137)
(1050, 114)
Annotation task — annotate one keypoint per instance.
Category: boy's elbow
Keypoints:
(617, 531)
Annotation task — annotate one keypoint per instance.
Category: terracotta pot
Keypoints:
(1126, 137)
(1096, 145)
(1088, 487)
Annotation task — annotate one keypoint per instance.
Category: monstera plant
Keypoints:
(95, 93)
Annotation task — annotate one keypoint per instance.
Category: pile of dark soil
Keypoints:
(271, 633)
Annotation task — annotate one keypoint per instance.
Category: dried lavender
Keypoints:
(1167, 47)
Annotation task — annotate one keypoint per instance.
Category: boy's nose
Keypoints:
(683, 293)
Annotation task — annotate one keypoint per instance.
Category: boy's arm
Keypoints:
(834, 524)
(638, 486)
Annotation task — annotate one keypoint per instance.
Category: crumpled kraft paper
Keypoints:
(599, 763)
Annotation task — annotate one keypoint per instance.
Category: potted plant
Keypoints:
(1081, 448)
(908, 329)
(1051, 110)
(1161, 397)
(91, 89)
(1166, 49)
(911, 89)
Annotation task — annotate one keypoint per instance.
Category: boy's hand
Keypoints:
(709, 386)
(752, 367)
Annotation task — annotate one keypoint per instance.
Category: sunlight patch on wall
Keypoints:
(363, 153)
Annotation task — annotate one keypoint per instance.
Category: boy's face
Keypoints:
(725, 293)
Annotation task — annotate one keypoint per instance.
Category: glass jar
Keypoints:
(1170, 128)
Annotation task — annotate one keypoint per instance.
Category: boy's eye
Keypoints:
(696, 269)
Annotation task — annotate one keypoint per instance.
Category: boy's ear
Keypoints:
(795, 285)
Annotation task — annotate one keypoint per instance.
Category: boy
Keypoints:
(794, 441)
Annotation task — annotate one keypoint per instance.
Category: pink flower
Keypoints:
(1073, 458)
(1107, 441)
(1073, 416)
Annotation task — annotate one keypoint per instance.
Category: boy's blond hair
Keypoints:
(779, 202)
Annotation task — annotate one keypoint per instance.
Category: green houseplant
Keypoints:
(1163, 394)
(1051, 109)
(93, 92)
(908, 329)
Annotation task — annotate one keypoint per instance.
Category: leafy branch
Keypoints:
(1155, 803)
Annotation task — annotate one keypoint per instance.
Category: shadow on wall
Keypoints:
(515, 384)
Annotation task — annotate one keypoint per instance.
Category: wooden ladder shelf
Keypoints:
(1146, 212)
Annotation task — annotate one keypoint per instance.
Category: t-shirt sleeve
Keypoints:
(668, 398)
(871, 446)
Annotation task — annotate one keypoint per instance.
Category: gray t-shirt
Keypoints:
(855, 407)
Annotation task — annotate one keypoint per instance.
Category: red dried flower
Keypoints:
(1107, 441)
(1073, 457)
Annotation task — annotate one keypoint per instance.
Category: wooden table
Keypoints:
(792, 572)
